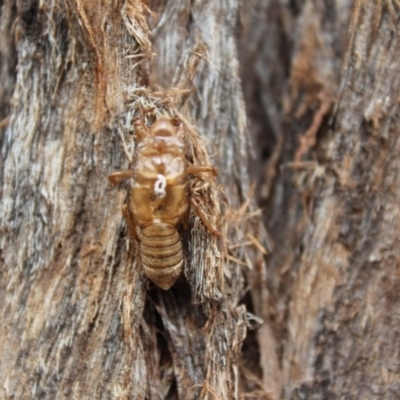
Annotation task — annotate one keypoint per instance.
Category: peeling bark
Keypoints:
(328, 135)
(320, 88)
(79, 319)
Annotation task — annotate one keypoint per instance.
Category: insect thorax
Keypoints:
(159, 189)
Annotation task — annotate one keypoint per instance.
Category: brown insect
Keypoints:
(158, 202)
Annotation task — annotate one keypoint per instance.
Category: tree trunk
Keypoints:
(322, 89)
(79, 319)
(320, 82)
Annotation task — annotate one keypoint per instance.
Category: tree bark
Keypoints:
(320, 85)
(330, 192)
(79, 319)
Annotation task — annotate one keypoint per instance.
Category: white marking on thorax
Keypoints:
(159, 186)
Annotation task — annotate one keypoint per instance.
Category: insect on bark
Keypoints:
(158, 201)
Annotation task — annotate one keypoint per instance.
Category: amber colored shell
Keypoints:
(160, 164)
(161, 254)
(158, 202)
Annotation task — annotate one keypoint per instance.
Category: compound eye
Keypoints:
(176, 122)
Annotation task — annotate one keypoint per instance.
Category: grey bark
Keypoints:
(79, 320)
(323, 98)
(320, 82)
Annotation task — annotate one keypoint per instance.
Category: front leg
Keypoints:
(204, 219)
(141, 130)
(118, 176)
(194, 170)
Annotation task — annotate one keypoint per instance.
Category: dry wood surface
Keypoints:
(296, 105)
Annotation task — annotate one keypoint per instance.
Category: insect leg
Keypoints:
(141, 130)
(130, 222)
(185, 219)
(201, 168)
(204, 219)
(118, 176)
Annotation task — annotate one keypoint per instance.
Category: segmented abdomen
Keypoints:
(161, 254)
